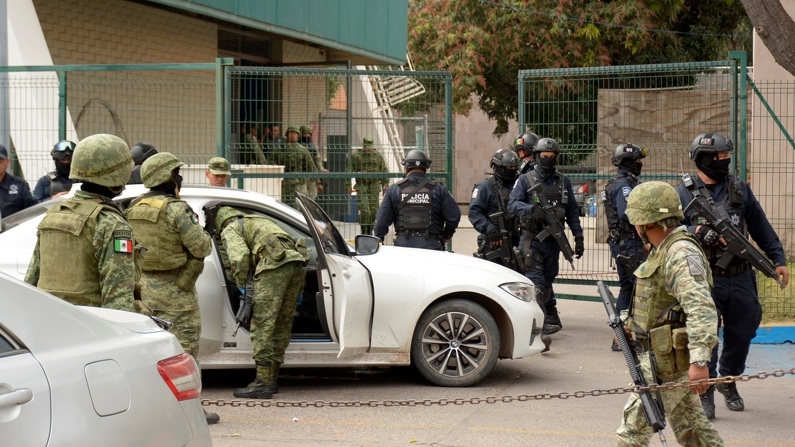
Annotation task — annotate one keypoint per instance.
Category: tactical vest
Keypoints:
(652, 306)
(56, 185)
(503, 195)
(415, 213)
(68, 263)
(164, 250)
(732, 202)
(555, 194)
(618, 228)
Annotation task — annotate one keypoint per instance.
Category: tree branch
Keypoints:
(776, 29)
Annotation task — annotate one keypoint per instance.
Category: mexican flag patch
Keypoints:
(122, 245)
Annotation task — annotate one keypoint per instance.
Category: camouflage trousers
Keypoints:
(367, 202)
(275, 294)
(176, 306)
(684, 413)
(289, 188)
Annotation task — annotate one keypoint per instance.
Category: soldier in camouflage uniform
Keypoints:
(175, 248)
(278, 267)
(367, 189)
(312, 186)
(672, 315)
(295, 158)
(91, 229)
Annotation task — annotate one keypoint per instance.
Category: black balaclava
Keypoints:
(62, 168)
(546, 165)
(632, 166)
(105, 191)
(715, 169)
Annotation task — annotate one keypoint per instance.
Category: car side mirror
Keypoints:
(366, 244)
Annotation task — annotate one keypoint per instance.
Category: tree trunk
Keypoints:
(776, 29)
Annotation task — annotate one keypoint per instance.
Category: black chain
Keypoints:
(491, 400)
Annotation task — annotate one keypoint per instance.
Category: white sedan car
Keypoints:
(74, 376)
(451, 316)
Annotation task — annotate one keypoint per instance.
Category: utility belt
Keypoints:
(730, 270)
(422, 234)
(172, 272)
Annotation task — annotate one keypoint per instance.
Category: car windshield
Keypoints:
(330, 237)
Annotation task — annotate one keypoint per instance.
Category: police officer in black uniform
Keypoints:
(56, 182)
(626, 247)
(524, 145)
(489, 197)
(544, 265)
(140, 152)
(734, 290)
(14, 192)
(423, 211)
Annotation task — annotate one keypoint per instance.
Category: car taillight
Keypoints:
(181, 375)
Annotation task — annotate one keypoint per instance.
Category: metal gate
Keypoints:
(589, 111)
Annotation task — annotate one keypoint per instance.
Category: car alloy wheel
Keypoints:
(456, 343)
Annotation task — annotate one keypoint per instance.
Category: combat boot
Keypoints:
(733, 400)
(552, 322)
(275, 377)
(260, 388)
(547, 340)
(708, 402)
(212, 418)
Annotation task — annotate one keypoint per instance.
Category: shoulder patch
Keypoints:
(121, 245)
(475, 193)
(695, 266)
(626, 190)
(122, 234)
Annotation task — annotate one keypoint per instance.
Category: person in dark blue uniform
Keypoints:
(57, 182)
(544, 250)
(734, 290)
(14, 192)
(523, 145)
(489, 197)
(626, 247)
(140, 152)
(423, 211)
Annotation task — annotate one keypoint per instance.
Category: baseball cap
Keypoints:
(3, 152)
(219, 166)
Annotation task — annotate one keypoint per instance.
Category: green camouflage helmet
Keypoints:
(156, 170)
(652, 202)
(224, 214)
(102, 159)
(292, 129)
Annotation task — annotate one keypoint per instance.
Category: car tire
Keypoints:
(455, 343)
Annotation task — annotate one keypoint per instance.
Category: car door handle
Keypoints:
(16, 397)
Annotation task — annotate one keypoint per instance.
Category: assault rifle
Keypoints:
(652, 408)
(505, 251)
(554, 227)
(243, 315)
(736, 244)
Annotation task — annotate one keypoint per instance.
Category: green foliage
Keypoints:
(778, 305)
(484, 43)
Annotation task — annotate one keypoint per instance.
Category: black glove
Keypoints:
(579, 246)
(707, 236)
(493, 236)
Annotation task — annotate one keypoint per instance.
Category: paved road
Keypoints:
(580, 360)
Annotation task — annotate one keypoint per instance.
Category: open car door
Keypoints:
(346, 283)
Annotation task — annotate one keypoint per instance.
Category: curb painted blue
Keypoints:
(774, 335)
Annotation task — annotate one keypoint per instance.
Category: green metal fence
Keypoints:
(198, 111)
(398, 110)
(589, 111)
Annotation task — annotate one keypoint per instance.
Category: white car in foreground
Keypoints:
(451, 316)
(80, 376)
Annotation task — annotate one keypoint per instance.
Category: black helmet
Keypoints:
(505, 164)
(62, 149)
(525, 142)
(141, 151)
(416, 159)
(546, 145)
(628, 152)
(709, 143)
